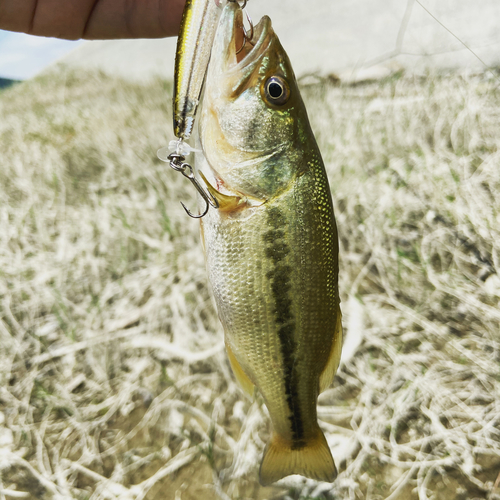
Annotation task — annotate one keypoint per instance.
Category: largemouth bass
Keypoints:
(196, 35)
(271, 248)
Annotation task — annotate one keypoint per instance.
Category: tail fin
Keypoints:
(314, 460)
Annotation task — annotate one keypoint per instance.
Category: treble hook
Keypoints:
(178, 164)
(246, 36)
(242, 3)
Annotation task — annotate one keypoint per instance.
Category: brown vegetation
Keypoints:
(113, 379)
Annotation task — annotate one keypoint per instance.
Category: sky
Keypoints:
(23, 56)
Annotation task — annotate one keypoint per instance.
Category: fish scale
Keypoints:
(240, 266)
(272, 247)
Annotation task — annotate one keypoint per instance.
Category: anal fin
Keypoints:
(241, 377)
(326, 378)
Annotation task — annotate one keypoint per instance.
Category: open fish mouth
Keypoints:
(233, 118)
(241, 50)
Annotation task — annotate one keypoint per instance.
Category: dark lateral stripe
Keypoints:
(279, 276)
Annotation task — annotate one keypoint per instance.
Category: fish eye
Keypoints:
(276, 90)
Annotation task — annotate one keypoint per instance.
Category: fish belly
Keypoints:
(273, 270)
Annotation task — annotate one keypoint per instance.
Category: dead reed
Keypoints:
(113, 378)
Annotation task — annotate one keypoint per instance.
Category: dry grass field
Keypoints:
(114, 384)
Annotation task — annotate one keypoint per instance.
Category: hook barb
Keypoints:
(199, 216)
(250, 23)
(247, 35)
(178, 164)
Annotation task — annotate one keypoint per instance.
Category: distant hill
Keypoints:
(6, 82)
(351, 39)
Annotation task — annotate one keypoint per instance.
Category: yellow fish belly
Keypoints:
(273, 269)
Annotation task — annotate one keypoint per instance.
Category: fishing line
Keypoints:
(462, 42)
(401, 34)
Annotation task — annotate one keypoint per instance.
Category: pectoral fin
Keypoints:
(326, 378)
(226, 202)
(241, 377)
(202, 237)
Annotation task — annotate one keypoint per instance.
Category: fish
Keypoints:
(194, 44)
(271, 248)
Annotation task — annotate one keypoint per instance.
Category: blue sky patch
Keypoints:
(23, 56)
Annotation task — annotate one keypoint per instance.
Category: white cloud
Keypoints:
(23, 56)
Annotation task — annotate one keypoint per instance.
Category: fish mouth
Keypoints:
(241, 50)
(234, 68)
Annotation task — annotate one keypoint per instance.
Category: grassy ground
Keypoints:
(113, 379)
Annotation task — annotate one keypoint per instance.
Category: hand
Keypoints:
(92, 19)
